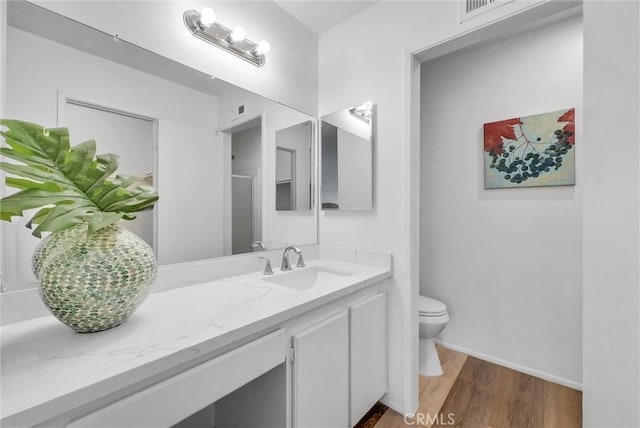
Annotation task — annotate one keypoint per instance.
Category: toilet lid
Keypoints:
(431, 307)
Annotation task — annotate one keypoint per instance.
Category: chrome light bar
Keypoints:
(203, 26)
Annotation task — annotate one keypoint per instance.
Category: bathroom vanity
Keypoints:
(299, 348)
(217, 343)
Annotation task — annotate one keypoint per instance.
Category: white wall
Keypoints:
(187, 123)
(279, 228)
(290, 73)
(506, 262)
(611, 353)
(3, 81)
(3, 47)
(353, 71)
(190, 182)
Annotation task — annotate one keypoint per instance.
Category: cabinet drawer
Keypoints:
(170, 401)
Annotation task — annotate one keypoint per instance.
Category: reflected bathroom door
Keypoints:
(241, 214)
(131, 137)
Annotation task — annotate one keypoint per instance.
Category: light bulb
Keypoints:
(365, 109)
(207, 17)
(263, 48)
(237, 35)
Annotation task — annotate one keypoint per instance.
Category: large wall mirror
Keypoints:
(231, 167)
(347, 151)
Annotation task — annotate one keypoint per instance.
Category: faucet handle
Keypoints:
(267, 267)
(258, 244)
(300, 261)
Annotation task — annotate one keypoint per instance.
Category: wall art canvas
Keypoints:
(530, 151)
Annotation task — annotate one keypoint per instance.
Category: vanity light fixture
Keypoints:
(237, 35)
(207, 17)
(262, 49)
(363, 111)
(203, 25)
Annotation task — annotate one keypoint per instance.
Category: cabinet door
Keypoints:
(369, 368)
(321, 374)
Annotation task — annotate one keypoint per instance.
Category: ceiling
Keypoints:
(321, 15)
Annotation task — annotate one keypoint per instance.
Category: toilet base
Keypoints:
(429, 359)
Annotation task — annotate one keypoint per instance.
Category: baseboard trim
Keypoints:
(508, 364)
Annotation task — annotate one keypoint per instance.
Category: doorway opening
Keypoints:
(246, 185)
(130, 136)
(465, 44)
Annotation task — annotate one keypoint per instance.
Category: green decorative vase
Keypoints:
(93, 282)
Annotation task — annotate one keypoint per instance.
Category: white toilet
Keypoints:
(433, 318)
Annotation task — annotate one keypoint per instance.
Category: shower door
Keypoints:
(241, 213)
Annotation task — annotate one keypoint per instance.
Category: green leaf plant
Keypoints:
(68, 184)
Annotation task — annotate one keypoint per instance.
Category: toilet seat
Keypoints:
(428, 307)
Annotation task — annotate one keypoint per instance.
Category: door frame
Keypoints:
(61, 120)
(527, 18)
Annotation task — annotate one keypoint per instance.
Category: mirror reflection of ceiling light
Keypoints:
(207, 17)
(363, 111)
(204, 26)
(263, 48)
(237, 35)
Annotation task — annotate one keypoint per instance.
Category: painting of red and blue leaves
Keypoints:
(530, 151)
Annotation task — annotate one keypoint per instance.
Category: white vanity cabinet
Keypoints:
(289, 358)
(339, 365)
(321, 374)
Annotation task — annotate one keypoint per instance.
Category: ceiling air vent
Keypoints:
(472, 8)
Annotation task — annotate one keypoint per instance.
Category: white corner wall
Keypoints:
(3, 58)
(290, 74)
(611, 344)
(3, 81)
(506, 262)
(366, 58)
(351, 72)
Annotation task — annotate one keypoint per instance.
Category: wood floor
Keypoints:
(476, 394)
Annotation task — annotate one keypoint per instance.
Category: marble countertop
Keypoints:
(48, 369)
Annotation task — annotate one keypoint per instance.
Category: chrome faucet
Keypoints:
(267, 267)
(286, 265)
(258, 244)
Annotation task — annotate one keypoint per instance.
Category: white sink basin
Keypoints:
(307, 278)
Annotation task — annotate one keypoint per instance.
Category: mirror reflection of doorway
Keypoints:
(246, 173)
(242, 208)
(285, 179)
(131, 137)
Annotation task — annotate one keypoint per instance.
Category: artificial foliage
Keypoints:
(67, 185)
